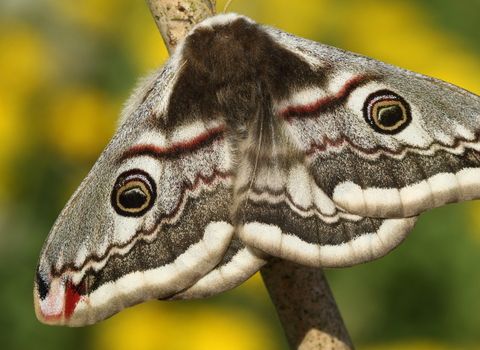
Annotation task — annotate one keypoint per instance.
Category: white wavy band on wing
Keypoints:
(440, 189)
(366, 247)
(139, 286)
(241, 267)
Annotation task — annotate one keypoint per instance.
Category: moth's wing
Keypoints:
(288, 215)
(353, 157)
(430, 159)
(150, 220)
(283, 210)
(237, 265)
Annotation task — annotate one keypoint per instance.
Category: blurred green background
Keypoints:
(65, 69)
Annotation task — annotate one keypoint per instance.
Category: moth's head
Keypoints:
(224, 46)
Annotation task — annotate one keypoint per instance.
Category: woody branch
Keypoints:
(301, 295)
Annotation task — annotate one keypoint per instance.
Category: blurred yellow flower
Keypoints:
(24, 68)
(14, 136)
(145, 45)
(100, 16)
(401, 33)
(81, 122)
(304, 18)
(168, 325)
(23, 59)
(188, 325)
(119, 18)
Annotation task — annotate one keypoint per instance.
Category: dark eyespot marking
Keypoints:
(134, 193)
(387, 112)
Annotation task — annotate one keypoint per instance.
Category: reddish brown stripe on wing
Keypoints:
(329, 101)
(177, 148)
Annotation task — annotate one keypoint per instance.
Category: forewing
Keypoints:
(429, 159)
(149, 221)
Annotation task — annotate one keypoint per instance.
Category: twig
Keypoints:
(175, 18)
(306, 306)
(301, 295)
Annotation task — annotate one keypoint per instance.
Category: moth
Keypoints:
(251, 142)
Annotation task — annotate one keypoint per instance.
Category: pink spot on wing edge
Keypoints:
(60, 303)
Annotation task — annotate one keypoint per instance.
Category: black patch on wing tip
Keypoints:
(43, 287)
